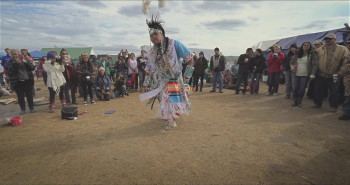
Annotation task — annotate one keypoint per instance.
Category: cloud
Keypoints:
(131, 11)
(318, 24)
(92, 4)
(227, 24)
(219, 5)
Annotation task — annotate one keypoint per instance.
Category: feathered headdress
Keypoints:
(156, 23)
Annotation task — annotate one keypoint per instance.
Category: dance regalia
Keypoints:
(165, 63)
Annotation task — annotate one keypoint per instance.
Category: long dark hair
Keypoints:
(301, 51)
(294, 45)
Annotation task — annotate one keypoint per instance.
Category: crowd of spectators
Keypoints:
(323, 68)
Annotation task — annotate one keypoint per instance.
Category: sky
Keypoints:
(109, 26)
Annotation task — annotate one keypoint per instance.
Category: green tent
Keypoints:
(73, 52)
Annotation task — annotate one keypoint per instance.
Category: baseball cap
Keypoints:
(331, 36)
(50, 55)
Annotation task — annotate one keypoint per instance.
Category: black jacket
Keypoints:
(286, 61)
(200, 66)
(221, 66)
(243, 67)
(13, 68)
(257, 63)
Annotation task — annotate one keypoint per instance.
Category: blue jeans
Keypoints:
(254, 77)
(242, 78)
(299, 86)
(289, 76)
(67, 88)
(217, 77)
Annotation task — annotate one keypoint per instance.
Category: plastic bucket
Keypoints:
(16, 121)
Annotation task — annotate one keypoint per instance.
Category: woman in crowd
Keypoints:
(256, 67)
(120, 86)
(21, 79)
(199, 70)
(302, 67)
(133, 71)
(28, 57)
(274, 62)
(70, 74)
(41, 68)
(55, 80)
(103, 85)
(288, 75)
(86, 74)
(121, 65)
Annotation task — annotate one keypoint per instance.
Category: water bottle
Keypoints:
(335, 78)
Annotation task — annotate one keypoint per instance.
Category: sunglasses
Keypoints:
(327, 38)
(153, 31)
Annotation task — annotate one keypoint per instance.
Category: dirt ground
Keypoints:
(226, 139)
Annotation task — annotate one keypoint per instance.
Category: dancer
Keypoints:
(165, 62)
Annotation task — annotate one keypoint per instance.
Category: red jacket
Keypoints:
(274, 64)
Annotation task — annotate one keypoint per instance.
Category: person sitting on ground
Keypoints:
(103, 85)
(120, 86)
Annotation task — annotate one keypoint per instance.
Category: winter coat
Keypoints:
(257, 63)
(311, 65)
(86, 69)
(13, 69)
(222, 62)
(340, 58)
(55, 78)
(71, 76)
(243, 66)
(200, 66)
(286, 61)
(102, 83)
(274, 63)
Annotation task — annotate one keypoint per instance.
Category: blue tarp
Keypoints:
(286, 42)
(37, 54)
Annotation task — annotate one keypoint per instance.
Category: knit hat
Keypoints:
(50, 55)
(101, 69)
(294, 45)
(201, 53)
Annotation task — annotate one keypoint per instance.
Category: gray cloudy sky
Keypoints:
(109, 26)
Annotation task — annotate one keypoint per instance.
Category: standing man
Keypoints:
(243, 70)
(141, 65)
(330, 58)
(346, 72)
(168, 87)
(217, 66)
(346, 33)
(4, 61)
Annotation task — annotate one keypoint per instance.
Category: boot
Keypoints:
(63, 101)
(52, 107)
(299, 102)
(295, 103)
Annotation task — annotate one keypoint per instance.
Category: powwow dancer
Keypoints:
(165, 62)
